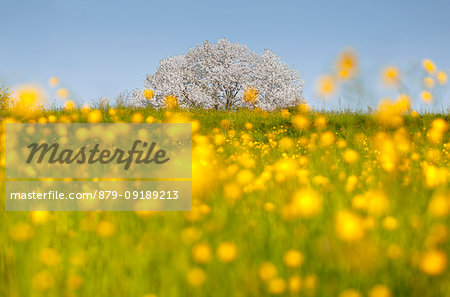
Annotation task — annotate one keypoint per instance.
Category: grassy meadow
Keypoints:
(294, 202)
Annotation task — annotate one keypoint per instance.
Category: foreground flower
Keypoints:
(170, 102)
(250, 95)
(196, 277)
(227, 251)
(201, 253)
(433, 262)
(391, 76)
(380, 291)
(326, 86)
(53, 81)
(149, 94)
(428, 66)
(106, 229)
(426, 96)
(292, 258)
(348, 226)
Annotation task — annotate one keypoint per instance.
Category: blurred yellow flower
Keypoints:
(62, 93)
(441, 77)
(304, 108)
(293, 258)
(170, 102)
(306, 203)
(94, 116)
(295, 284)
(394, 251)
(276, 286)
(426, 96)
(326, 86)
(267, 271)
(53, 81)
(347, 64)
(327, 139)
(250, 95)
(350, 293)
(350, 156)
(320, 123)
(105, 229)
(137, 117)
(227, 251)
(43, 280)
(50, 257)
(248, 126)
(39, 217)
(391, 76)
(439, 205)
(429, 66)
(286, 144)
(74, 281)
(433, 262)
(201, 253)
(149, 94)
(21, 232)
(28, 97)
(349, 226)
(69, 105)
(390, 223)
(429, 82)
(300, 122)
(379, 291)
(196, 277)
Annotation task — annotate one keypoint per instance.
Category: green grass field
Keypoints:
(290, 203)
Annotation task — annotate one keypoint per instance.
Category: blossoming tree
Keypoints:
(224, 75)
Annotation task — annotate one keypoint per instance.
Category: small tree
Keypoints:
(218, 75)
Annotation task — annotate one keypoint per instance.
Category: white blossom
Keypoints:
(216, 75)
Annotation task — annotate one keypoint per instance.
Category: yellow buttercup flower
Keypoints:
(350, 293)
(250, 95)
(170, 102)
(433, 262)
(196, 277)
(347, 64)
(50, 257)
(349, 226)
(350, 156)
(106, 229)
(227, 251)
(69, 105)
(426, 96)
(267, 271)
(201, 253)
(62, 93)
(326, 86)
(149, 94)
(300, 122)
(380, 291)
(53, 81)
(94, 116)
(429, 66)
(293, 258)
(391, 76)
(429, 82)
(441, 77)
(276, 286)
(137, 117)
(39, 217)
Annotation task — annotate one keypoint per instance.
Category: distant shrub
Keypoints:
(5, 98)
(223, 75)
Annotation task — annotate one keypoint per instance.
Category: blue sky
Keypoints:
(101, 48)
